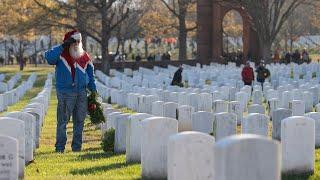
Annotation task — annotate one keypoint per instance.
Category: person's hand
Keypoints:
(68, 42)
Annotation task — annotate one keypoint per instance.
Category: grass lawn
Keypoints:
(92, 162)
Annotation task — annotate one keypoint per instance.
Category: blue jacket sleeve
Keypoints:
(52, 55)
(92, 84)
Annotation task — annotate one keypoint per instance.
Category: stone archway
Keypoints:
(209, 36)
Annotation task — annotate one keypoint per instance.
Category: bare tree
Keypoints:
(268, 17)
(180, 9)
(111, 14)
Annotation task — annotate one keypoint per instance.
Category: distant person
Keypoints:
(305, 56)
(150, 58)
(1, 60)
(138, 58)
(177, 78)
(288, 57)
(247, 74)
(164, 57)
(276, 57)
(168, 56)
(297, 57)
(262, 73)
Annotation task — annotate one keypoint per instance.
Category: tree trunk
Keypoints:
(118, 45)
(286, 43)
(265, 51)
(20, 56)
(146, 48)
(84, 41)
(34, 58)
(122, 46)
(182, 38)
(105, 56)
(6, 55)
(291, 44)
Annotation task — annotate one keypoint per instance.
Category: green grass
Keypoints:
(92, 162)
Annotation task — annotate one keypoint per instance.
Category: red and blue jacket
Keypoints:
(72, 76)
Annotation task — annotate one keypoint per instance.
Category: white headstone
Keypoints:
(234, 158)
(242, 97)
(286, 98)
(278, 116)
(220, 106)
(256, 124)
(315, 94)
(154, 140)
(30, 132)
(184, 118)
(8, 158)
(133, 137)
(120, 133)
(111, 121)
(193, 99)
(198, 148)
(308, 101)
(8, 127)
(235, 107)
(224, 124)
(256, 108)
(202, 121)
(170, 110)
(157, 108)
(205, 102)
(273, 105)
(297, 107)
(298, 142)
(316, 117)
(257, 97)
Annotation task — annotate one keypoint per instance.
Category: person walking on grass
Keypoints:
(247, 74)
(262, 73)
(74, 74)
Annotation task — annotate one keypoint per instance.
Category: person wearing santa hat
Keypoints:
(74, 75)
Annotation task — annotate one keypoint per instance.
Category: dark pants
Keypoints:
(248, 84)
(74, 104)
(261, 81)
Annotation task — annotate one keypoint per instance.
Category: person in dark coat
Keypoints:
(262, 73)
(177, 78)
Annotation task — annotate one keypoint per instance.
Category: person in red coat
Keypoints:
(247, 74)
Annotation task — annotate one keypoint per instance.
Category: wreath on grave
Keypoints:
(95, 110)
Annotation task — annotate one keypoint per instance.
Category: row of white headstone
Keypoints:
(253, 121)
(219, 75)
(12, 96)
(10, 84)
(225, 126)
(164, 152)
(20, 132)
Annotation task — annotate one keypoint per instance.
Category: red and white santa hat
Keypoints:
(74, 33)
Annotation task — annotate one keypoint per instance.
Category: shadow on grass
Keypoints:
(97, 169)
(92, 149)
(70, 132)
(96, 155)
(296, 177)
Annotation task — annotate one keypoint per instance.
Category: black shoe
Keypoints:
(60, 151)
